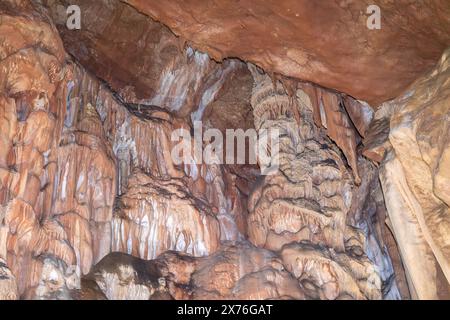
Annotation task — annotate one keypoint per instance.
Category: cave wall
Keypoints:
(414, 174)
(85, 173)
(93, 206)
(325, 42)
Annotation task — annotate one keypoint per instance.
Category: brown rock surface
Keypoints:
(243, 272)
(156, 216)
(55, 281)
(200, 200)
(415, 180)
(329, 275)
(85, 171)
(160, 206)
(307, 200)
(124, 277)
(8, 286)
(68, 147)
(238, 271)
(33, 75)
(142, 60)
(325, 42)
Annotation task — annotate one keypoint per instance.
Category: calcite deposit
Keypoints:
(326, 42)
(415, 177)
(349, 200)
(8, 285)
(238, 271)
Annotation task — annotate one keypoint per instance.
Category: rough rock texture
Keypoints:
(86, 169)
(79, 169)
(85, 186)
(186, 81)
(124, 277)
(326, 42)
(152, 71)
(244, 272)
(142, 60)
(151, 190)
(329, 275)
(234, 272)
(8, 286)
(32, 68)
(307, 200)
(345, 119)
(56, 280)
(415, 176)
(157, 216)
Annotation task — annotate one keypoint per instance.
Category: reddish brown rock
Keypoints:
(243, 272)
(8, 286)
(329, 275)
(142, 60)
(415, 179)
(156, 216)
(323, 42)
(338, 124)
(199, 200)
(85, 189)
(33, 75)
(85, 171)
(307, 200)
(55, 280)
(234, 272)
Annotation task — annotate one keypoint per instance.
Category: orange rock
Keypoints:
(309, 40)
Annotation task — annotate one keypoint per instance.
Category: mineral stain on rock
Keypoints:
(93, 205)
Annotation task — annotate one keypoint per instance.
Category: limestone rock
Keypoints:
(326, 42)
(307, 200)
(155, 216)
(56, 280)
(86, 169)
(124, 277)
(329, 275)
(238, 271)
(243, 272)
(141, 59)
(415, 180)
(8, 286)
(33, 73)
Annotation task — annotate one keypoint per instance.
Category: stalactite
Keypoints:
(306, 202)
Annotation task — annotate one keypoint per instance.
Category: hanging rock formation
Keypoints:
(307, 201)
(142, 60)
(69, 147)
(93, 204)
(325, 42)
(33, 73)
(415, 177)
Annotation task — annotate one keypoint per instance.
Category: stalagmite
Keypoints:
(307, 200)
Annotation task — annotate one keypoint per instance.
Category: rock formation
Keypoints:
(8, 286)
(93, 204)
(234, 272)
(415, 177)
(307, 200)
(295, 37)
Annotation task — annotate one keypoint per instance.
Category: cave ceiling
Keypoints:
(325, 42)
